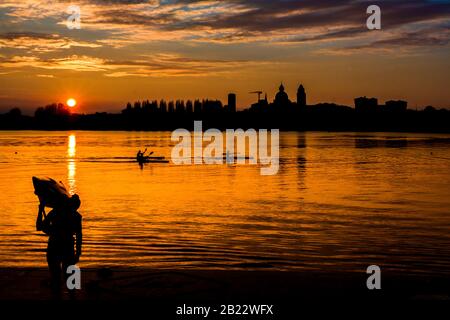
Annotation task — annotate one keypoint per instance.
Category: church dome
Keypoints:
(281, 97)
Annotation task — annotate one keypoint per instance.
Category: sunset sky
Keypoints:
(129, 50)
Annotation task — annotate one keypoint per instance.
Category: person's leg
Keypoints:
(68, 260)
(54, 266)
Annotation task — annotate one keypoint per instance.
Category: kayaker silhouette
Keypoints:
(141, 157)
(61, 225)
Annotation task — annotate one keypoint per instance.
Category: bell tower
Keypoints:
(301, 97)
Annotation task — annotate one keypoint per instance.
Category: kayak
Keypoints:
(154, 161)
(49, 191)
(150, 159)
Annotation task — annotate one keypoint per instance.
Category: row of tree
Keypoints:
(59, 110)
(179, 106)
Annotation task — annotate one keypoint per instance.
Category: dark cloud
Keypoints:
(287, 21)
(426, 38)
(255, 18)
(29, 35)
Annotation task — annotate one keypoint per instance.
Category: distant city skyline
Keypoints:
(281, 99)
(138, 50)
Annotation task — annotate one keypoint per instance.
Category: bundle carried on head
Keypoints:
(50, 192)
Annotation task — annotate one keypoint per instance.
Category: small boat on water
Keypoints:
(155, 158)
(141, 158)
(152, 160)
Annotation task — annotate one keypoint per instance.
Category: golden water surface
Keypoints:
(339, 201)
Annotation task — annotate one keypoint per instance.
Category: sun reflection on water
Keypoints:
(71, 163)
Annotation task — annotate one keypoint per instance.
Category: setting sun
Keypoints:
(71, 102)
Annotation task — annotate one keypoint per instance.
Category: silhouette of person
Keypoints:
(61, 224)
(140, 156)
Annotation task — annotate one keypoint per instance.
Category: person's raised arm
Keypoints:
(40, 217)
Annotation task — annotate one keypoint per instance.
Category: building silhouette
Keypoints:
(261, 105)
(281, 103)
(231, 102)
(366, 104)
(281, 98)
(396, 106)
(301, 97)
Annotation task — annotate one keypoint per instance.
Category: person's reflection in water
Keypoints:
(61, 224)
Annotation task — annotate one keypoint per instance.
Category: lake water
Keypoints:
(341, 201)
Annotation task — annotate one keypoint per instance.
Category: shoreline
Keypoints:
(444, 132)
(335, 120)
(221, 286)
